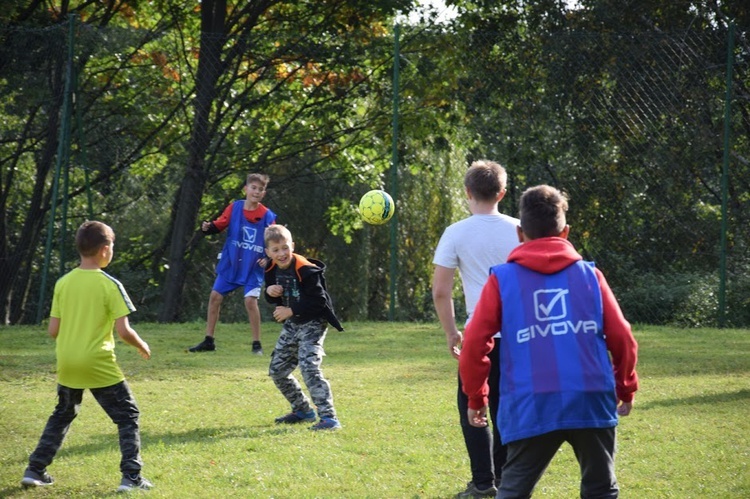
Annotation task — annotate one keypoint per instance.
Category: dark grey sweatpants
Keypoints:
(119, 404)
(528, 458)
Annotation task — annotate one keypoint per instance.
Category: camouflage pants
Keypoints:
(302, 344)
(119, 404)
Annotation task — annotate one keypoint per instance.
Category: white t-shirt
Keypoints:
(472, 246)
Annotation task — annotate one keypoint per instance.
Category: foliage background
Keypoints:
(171, 105)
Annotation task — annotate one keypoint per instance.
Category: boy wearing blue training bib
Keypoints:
(560, 323)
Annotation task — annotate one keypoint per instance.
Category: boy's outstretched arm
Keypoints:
(130, 337)
(209, 228)
(474, 363)
(622, 346)
(54, 326)
(442, 298)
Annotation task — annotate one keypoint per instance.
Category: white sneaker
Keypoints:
(33, 479)
(134, 482)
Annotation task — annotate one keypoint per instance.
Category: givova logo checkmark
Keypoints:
(249, 234)
(550, 304)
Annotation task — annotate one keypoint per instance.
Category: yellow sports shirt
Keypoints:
(88, 302)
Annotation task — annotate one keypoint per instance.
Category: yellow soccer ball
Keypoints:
(376, 207)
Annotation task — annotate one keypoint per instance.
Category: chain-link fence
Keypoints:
(78, 121)
(633, 126)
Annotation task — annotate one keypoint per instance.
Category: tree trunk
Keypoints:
(188, 197)
(16, 262)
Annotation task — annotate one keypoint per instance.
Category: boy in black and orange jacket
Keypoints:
(296, 285)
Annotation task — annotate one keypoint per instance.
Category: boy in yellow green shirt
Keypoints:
(86, 306)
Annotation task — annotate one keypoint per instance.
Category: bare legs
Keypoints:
(215, 300)
(253, 315)
(214, 309)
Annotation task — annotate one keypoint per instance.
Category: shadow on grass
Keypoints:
(106, 441)
(150, 439)
(212, 434)
(712, 399)
(12, 491)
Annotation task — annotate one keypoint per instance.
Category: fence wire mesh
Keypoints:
(630, 125)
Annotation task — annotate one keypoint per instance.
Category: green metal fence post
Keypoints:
(63, 148)
(394, 173)
(725, 179)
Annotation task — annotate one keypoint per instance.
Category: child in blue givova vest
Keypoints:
(560, 323)
(242, 259)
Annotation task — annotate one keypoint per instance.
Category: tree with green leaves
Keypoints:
(290, 89)
(46, 93)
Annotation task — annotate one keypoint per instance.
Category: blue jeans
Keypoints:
(119, 404)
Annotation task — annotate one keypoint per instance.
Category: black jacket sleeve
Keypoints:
(317, 302)
(312, 302)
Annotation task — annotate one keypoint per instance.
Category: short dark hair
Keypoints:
(91, 236)
(542, 211)
(485, 180)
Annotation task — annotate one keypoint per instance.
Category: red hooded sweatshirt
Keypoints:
(547, 256)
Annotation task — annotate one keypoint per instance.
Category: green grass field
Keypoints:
(208, 430)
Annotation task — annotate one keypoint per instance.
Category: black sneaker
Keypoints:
(326, 424)
(207, 345)
(134, 482)
(257, 349)
(472, 491)
(32, 478)
(296, 417)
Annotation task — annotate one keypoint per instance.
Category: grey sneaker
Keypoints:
(296, 417)
(257, 349)
(33, 479)
(472, 491)
(207, 345)
(134, 482)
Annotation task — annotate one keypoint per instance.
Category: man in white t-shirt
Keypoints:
(472, 246)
